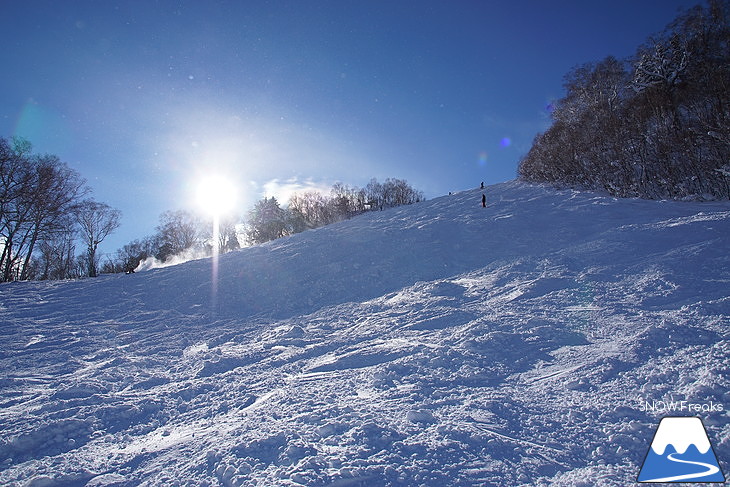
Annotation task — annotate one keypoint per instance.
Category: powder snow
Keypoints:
(436, 344)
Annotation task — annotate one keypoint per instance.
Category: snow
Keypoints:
(436, 344)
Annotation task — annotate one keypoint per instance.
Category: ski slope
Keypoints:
(436, 344)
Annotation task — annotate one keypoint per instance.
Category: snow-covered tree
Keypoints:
(660, 129)
(266, 221)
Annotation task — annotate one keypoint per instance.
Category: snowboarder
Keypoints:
(484, 200)
(482, 184)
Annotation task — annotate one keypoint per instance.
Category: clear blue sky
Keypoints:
(144, 97)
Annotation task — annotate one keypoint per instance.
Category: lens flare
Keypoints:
(41, 125)
(505, 142)
(483, 158)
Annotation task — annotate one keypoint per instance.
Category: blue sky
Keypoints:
(144, 98)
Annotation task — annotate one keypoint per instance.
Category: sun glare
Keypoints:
(216, 195)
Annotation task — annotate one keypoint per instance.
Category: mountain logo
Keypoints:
(680, 452)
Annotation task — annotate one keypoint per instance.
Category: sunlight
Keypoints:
(216, 195)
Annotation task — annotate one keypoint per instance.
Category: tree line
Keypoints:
(656, 125)
(45, 210)
(182, 235)
(267, 220)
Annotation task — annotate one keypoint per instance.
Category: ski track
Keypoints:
(437, 344)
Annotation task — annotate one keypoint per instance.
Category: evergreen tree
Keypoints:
(266, 221)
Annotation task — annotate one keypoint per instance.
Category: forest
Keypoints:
(656, 125)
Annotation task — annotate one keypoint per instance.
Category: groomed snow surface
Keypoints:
(437, 344)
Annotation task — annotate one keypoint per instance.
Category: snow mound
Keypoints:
(526, 343)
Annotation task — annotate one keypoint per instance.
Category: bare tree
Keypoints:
(37, 194)
(96, 221)
(227, 236)
(178, 231)
(656, 125)
(129, 256)
(310, 209)
(57, 255)
(55, 196)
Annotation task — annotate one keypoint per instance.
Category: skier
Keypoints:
(482, 184)
(484, 200)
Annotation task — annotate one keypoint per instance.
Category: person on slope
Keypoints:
(484, 200)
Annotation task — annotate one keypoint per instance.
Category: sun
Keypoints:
(216, 195)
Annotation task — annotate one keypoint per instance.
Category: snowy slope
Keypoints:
(436, 344)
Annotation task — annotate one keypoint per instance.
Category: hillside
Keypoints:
(436, 344)
(654, 125)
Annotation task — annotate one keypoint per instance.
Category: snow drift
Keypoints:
(436, 344)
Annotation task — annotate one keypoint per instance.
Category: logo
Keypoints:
(680, 452)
